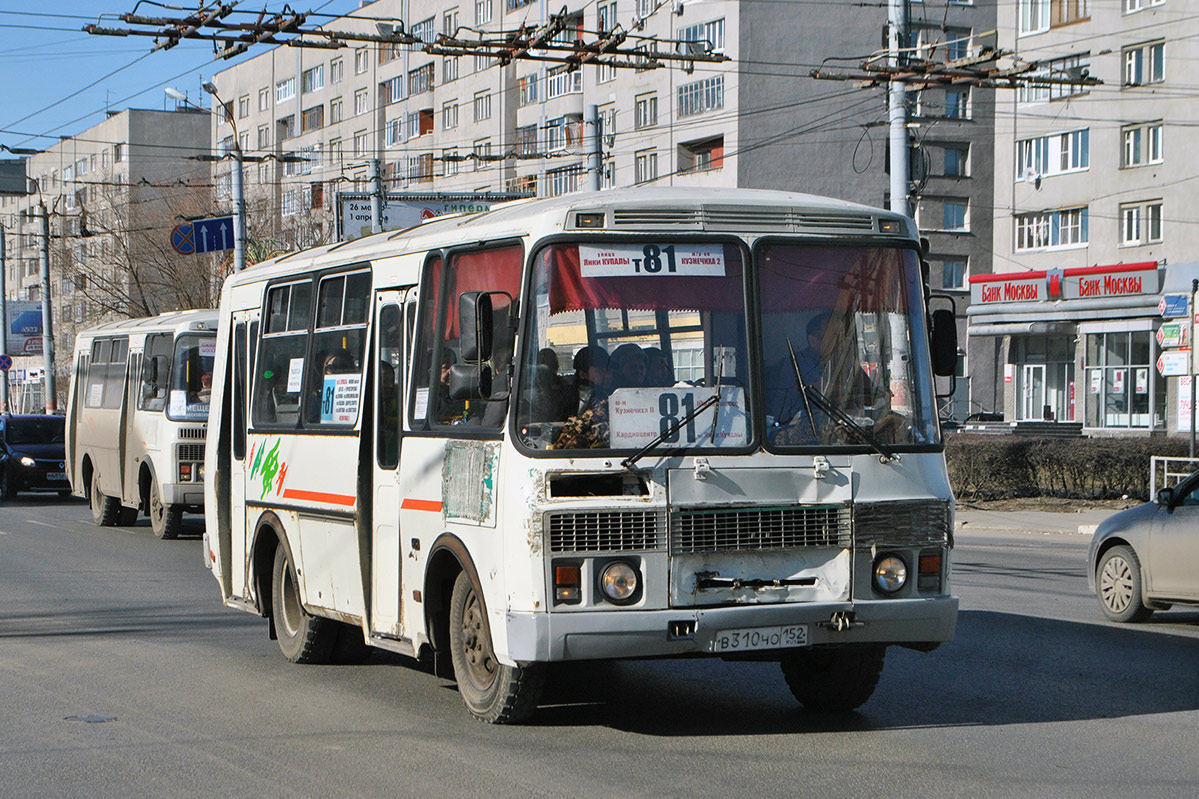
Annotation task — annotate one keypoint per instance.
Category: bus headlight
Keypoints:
(890, 573)
(619, 583)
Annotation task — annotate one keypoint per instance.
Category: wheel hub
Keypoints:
(1115, 584)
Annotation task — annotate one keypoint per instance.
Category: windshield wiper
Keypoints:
(628, 462)
(812, 396)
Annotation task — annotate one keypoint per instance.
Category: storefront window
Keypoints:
(1045, 378)
(1123, 388)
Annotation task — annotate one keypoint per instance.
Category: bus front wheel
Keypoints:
(493, 692)
(303, 638)
(835, 679)
(165, 520)
(105, 510)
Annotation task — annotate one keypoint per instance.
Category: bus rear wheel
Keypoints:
(165, 520)
(105, 510)
(303, 638)
(836, 679)
(492, 692)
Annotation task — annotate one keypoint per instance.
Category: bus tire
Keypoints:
(493, 693)
(105, 510)
(302, 638)
(126, 516)
(351, 648)
(165, 520)
(834, 679)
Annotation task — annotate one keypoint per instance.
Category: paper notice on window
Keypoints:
(340, 399)
(178, 404)
(295, 375)
(639, 415)
(652, 260)
(208, 349)
(420, 405)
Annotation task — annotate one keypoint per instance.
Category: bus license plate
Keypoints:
(749, 638)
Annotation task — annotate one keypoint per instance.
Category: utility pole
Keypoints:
(597, 150)
(51, 395)
(3, 316)
(897, 26)
(376, 196)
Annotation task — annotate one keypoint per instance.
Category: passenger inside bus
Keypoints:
(628, 367)
(591, 387)
(657, 368)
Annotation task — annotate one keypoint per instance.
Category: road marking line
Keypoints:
(42, 524)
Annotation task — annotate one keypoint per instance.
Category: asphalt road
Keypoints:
(121, 675)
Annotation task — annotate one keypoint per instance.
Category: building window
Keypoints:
(243, 106)
(425, 30)
(1064, 12)
(264, 99)
(1141, 223)
(420, 80)
(1142, 144)
(528, 89)
(482, 151)
(313, 118)
(646, 166)
(361, 102)
(361, 60)
(264, 137)
(646, 115)
(449, 23)
(449, 115)
(953, 214)
(956, 161)
(335, 111)
(393, 89)
(285, 90)
(1051, 229)
(1119, 370)
(560, 82)
(335, 151)
(483, 11)
(449, 69)
(701, 156)
(605, 16)
(336, 70)
(701, 96)
(957, 103)
(286, 127)
(1144, 64)
(710, 33)
(953, 274)
(449, 160)
(1133, 6)
(314, 79)
(420, 168)
(1034, 16)
(564, 180)
(360, 143)
(1053, 155)
(393, 133)
(526, 140)
(482, 106)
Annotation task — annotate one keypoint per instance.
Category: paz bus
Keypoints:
(628, 424)
(137, 414)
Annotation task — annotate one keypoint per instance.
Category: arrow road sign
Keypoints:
(1173, 305)
(1172, 334)
(212, 235)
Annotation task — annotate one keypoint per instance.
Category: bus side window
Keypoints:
(155, 373)
(97, 369)
(238, 378)
(280, 368)
(339, 342)
(388, 381)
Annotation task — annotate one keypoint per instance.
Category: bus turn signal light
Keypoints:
(929, 572)
(567, 581)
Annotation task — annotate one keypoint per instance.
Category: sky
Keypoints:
(59, 81)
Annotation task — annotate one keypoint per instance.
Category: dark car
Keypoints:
(1147, 558)
(32, 457)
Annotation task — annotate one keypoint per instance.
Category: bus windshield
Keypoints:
(191, 377)
(630, 339)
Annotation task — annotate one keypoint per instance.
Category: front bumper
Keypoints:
(45, 476)
(182, 493)
(540, 637)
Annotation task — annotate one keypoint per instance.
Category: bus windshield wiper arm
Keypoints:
(628, 462)
(812, 396)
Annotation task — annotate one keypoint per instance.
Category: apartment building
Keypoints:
(113, 193)
(1093, 191)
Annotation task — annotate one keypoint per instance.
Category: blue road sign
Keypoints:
(215, 234)
(183, 239)
(5, 363)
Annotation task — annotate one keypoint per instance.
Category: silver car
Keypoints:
(1147, 558)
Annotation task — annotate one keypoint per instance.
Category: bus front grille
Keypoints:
(907, 523)
(191, 452)
(753, 528)
(603, 531)
(192, 433)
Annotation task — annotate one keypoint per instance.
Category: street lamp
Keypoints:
(239, 198)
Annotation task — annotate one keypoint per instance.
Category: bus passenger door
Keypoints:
(244, 330)
(387, 547)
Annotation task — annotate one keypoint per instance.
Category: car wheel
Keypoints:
(8, 486)
(105, 510)
(302, 638)
(833, 680)
(165, 520)
(1118, 586)
(493, 692)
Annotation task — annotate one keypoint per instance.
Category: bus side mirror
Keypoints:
(470, 381)
(944, 342)
(475, 326)
(150, 370)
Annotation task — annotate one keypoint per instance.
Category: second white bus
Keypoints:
(137, 414)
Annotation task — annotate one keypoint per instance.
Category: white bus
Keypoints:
(137, 414)
(573, 429)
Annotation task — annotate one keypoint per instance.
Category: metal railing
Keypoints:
(1165, 472)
